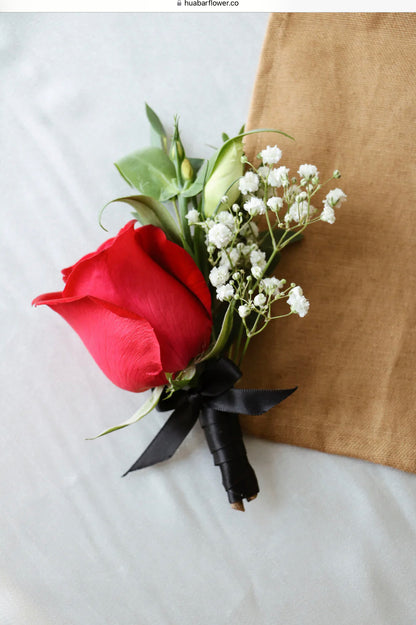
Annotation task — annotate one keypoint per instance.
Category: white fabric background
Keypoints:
(329, 540)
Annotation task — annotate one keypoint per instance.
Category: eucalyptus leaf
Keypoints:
(150, 211)
(151, 172)
(156, 141)
(155, 122)
(147, 407)
(222, 339)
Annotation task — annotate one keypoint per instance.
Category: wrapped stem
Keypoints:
(225, 441)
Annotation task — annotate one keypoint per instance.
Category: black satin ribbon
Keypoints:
(217, 404)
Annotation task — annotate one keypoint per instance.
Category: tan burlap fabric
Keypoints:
(343, 84)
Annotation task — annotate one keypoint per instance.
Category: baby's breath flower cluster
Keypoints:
(242, 256)
(233, 218)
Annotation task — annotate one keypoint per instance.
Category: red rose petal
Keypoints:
(176, 261)
(123, 345)
(130, 273)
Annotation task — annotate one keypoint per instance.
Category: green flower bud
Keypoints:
(186, 170)
(176, 151)
(180, 149)
(227, 169)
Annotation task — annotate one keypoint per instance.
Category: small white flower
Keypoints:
(258, 263)
(225, 261)
(275, 203)
(235, 208)
(257, 257)
(307, 171)
(335, 197)
(298, 302)
(257, 271)
(263, 172)
(255, 206)
(227, 219)
(244, 249)
(219, 275)
(254, 229)
(243, 311)
(234, 255)
(271, 155)
(229, 257)
(225, 292)
(328, 214)
(250, 231)
(260, 300)
(271, 285)
(224, 199)
(299, 211)
(219, 235)
(278, 177)
(249, 183)
(301, 196)
(192, 217)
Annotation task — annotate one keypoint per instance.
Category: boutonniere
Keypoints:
(172, 302)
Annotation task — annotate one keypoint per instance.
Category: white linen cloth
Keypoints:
(329, 539)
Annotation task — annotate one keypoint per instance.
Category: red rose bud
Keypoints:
(140, 305)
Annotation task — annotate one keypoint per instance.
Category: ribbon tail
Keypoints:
(249, 401)
(169, 438)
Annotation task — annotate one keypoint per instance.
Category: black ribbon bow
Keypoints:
(217, 404)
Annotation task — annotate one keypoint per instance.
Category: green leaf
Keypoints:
(196, 163)
(155, 122)
(149, 211)
(151, 171)
(141, 412)
(226, 328)
(224, 136)
(156, 140)
(198, 185)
